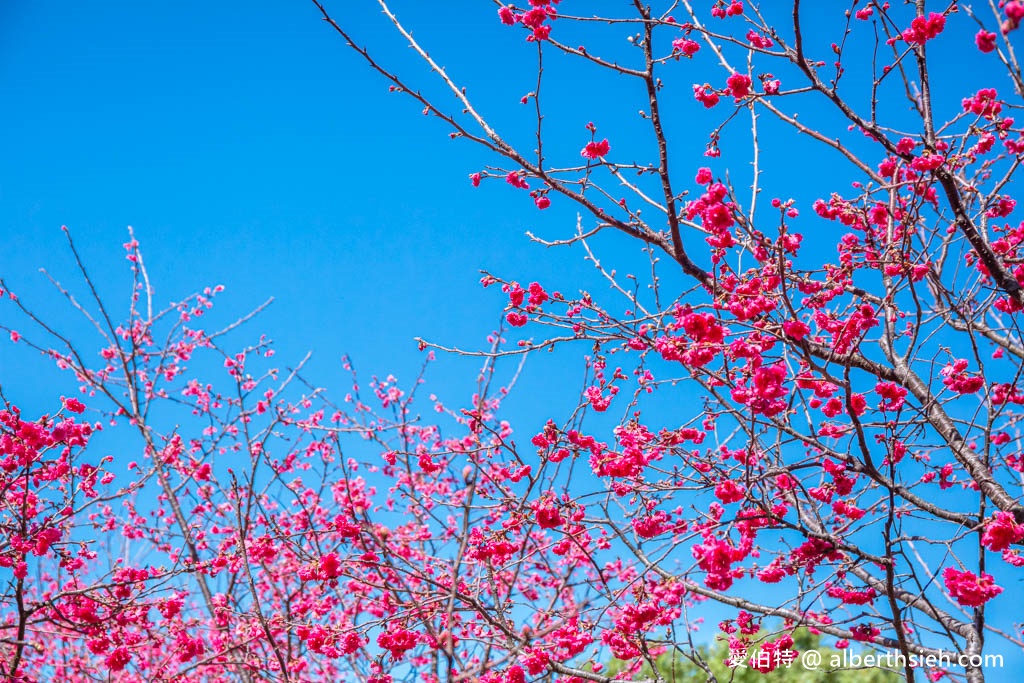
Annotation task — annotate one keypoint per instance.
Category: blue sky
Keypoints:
(250, 148)
(253, 149)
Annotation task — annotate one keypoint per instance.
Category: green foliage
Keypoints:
(675, 667)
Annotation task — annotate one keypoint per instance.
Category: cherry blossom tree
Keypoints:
(803, 414)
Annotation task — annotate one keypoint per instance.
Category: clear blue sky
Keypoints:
(249, 147)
